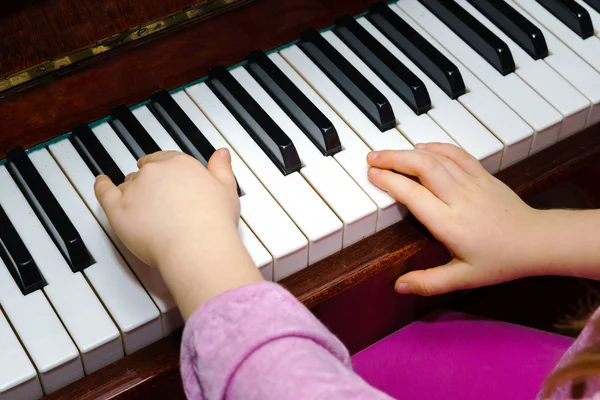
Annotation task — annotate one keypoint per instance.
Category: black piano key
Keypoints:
(181, 128)
(474, 33)
(395, 74)
(573, 15)
(439, 69)
(528, 36)
(15, 255)
(265, 132)
(132, 133)
(595, 4)
(315, 125)
(50, 213)
(94, 154)
(347, 78)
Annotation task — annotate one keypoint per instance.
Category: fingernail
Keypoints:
(420, 146)
(224, 152)
(374, 171)
(402, 288)
(372, 155)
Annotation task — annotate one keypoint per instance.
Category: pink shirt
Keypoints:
(259, 342)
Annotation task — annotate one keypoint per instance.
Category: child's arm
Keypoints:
(493, 235)
(259, 343)
(243, 338)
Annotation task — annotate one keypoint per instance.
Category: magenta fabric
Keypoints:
(259, 342)
(452, 355)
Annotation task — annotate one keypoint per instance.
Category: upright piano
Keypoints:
(299, 91)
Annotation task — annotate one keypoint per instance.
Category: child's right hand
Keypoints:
(488, 229)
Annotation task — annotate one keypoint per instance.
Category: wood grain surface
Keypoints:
(34, 31)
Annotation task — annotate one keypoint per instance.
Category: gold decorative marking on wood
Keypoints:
(192, 14)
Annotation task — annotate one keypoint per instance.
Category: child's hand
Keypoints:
(488, 229)
(171, 199)
(176, 215)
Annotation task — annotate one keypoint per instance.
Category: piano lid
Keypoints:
(39, 38)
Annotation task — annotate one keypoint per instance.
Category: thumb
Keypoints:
(455, 275)
(107, 193)
(219, 165)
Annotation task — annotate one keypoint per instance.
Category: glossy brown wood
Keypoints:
(34, 31)
(151, 373)
(357, 263)
(54, 107)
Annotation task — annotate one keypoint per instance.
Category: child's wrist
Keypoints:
(552, 250)
(202, 245)
(199, 267)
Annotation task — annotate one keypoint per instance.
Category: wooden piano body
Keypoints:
(120, 54)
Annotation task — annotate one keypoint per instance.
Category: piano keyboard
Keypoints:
(503, 80)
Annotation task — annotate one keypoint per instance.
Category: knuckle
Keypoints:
(389, 158)
(147, 168)
(178, 157)
(426, 288)
(416, 191)
(429, 164)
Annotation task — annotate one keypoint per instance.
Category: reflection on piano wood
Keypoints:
(81, 53)
(310, 218)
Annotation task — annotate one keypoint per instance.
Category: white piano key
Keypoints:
(539, 114)
(353, 156)
(82, 313)
(324, 174)
(83, 180)
(275, 230)
(128, 303)
(37, 325)
(369, 133)
(465, 129)
(416, 128)
(154, 128)
(261, 257)
(53, 353)
(315, 219)
(514, 133)
(557, 91)
(567, 63)
(18, 377)
(116, 148)
(588, 49)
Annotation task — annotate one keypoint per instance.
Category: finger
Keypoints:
(432, 173)
(457, 172)
(455, 275)
(219, 165)
(425, 206)
(131, 176)
(157, 156)
(464, 160)
(107, 193)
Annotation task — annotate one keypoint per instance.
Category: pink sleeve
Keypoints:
(259, 342)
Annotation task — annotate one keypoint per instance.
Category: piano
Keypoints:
(299, 91)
